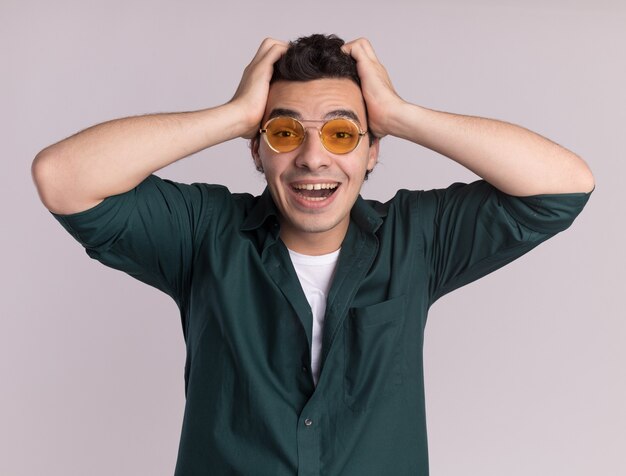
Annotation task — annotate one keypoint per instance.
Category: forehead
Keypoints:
(317, 98)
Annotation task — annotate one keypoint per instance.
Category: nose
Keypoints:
(312, 154)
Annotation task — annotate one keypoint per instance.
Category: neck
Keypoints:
(314, 243)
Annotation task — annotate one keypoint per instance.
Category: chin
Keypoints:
(313, 226)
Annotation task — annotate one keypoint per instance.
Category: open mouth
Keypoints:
(315, 192)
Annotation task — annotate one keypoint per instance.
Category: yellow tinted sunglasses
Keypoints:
(339, 136)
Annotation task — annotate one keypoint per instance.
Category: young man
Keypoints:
(303, 309)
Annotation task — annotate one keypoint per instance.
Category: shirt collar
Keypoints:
(363, 213)
(366, 216)
(260, 212)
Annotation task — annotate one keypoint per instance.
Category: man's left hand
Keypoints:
(381, 99)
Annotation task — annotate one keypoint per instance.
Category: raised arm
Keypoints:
(513, 159)
(111, 158)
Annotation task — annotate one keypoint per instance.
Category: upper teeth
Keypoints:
(315, 186)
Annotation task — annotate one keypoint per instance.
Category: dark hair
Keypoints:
(317, 57)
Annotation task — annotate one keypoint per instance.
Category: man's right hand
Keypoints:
(251, 95)
(111, 158)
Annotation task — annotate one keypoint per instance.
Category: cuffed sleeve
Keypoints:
(147, 232)
(477, 229)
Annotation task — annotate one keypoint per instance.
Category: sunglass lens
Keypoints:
(284, 134)
(340, 136)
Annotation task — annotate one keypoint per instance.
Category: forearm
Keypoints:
(114, 157)
(513, 159)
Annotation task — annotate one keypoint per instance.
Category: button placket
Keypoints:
(309, 434)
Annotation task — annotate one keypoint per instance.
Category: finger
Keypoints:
(360, 49)
(274, 52)
(266, 45)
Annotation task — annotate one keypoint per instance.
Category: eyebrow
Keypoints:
(279, 111)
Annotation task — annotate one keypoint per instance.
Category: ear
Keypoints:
(372, 154)
(254, 151)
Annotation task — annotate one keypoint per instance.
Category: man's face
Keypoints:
(314, 221)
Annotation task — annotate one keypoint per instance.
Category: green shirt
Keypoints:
(252, 408)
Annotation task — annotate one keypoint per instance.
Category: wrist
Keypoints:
(233, 121)
(404, 120)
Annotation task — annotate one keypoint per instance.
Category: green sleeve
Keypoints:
(473, 229)
(148, 232)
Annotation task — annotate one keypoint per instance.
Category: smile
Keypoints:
(315, 192)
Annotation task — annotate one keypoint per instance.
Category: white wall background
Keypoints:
(525, 369)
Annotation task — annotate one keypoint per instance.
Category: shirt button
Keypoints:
(304, 369)
(308, 422)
